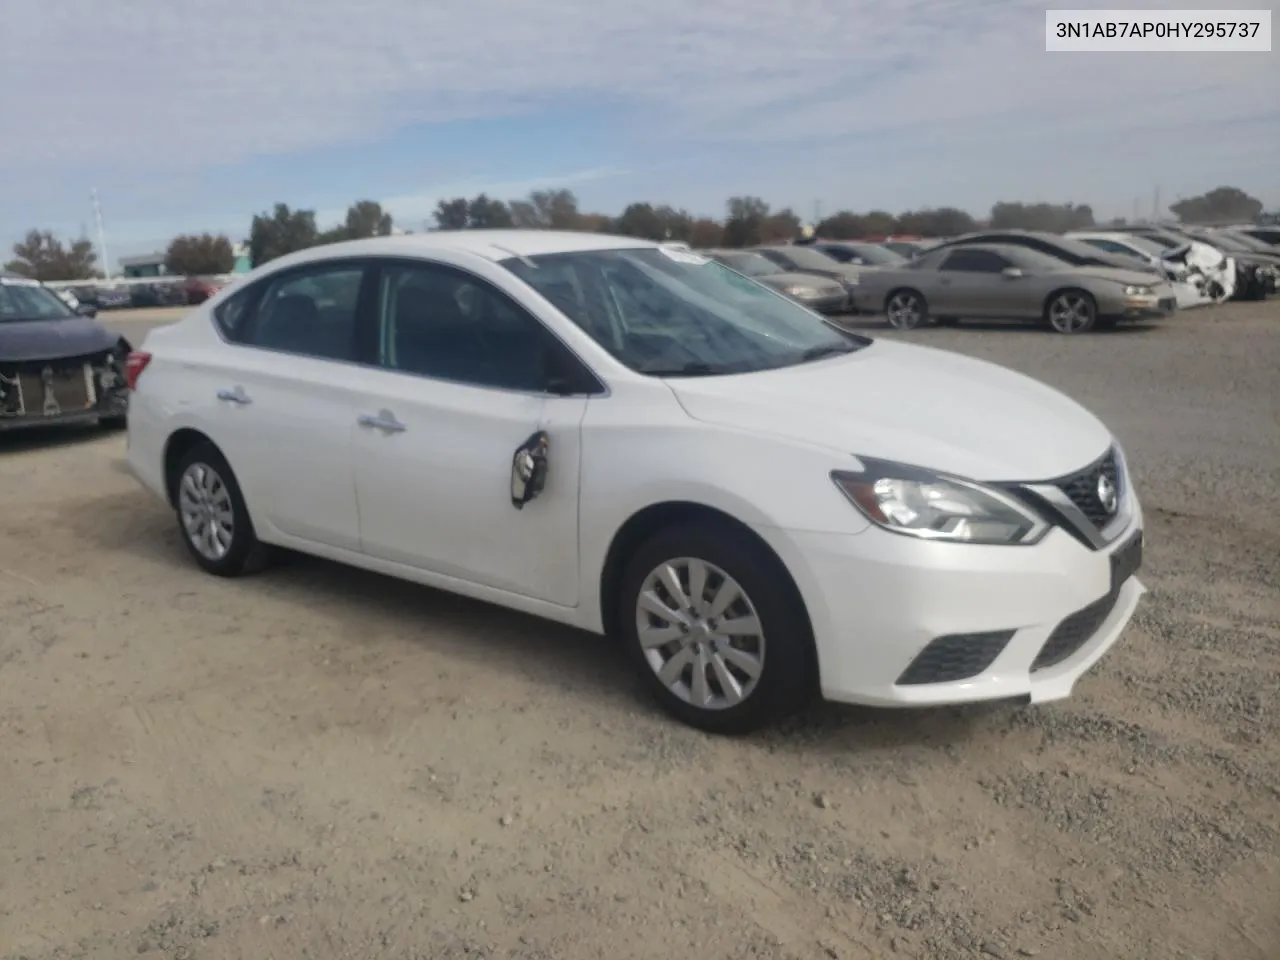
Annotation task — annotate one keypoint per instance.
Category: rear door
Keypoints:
(279, 398)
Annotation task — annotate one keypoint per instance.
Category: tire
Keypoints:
(780, 652)
(906, 310)
(1071, 312)
(204, 483)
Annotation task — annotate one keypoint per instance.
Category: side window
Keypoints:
(441, 322)
(838, 253)
(231, 313)
(310, 312)
(966, 260)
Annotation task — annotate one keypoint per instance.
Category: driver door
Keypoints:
(461, 387)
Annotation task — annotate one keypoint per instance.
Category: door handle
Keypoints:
(235, 396)
(383, 420)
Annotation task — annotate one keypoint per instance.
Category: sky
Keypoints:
(191, 115)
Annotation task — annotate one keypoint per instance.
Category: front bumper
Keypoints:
(830, 304)
(879, 601)
(1146, 307)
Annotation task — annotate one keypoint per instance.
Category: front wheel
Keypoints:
(718, 637)
(906, 310)
(1072, 311)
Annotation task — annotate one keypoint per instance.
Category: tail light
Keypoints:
(134, 364)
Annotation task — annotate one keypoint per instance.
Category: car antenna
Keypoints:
(519, 256)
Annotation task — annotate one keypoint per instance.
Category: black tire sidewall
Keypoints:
(788, 680)
(244, 541)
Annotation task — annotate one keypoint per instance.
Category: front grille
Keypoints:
(1082, 488)
(49, 390)
(1074, 632)
(958, 656)
(1168, 303)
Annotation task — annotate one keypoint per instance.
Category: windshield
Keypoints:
(875, 254)
(673, 313)
(752, 264)
(1145, 244)
(28, 300)
(807, 258)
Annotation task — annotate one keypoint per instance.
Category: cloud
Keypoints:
(154, 87)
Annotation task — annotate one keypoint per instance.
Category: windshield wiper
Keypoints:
(696, 369)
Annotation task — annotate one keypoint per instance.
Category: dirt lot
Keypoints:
(320, 763)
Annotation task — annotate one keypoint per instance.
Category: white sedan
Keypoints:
(641, 442)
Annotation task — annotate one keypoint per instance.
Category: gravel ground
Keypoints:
(321, 763)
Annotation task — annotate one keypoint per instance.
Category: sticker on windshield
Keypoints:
(19, 282)
(685, 256)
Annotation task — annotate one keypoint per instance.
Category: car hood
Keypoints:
(800, 280)
(1141, 278)
(51, 339)
(915, 405)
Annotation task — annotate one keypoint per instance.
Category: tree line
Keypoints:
(747, 221)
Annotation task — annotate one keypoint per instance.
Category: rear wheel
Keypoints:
(906, 310)
(718, 637)
(212, 515)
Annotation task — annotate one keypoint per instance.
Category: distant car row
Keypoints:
(139, 293)
(1072, 283)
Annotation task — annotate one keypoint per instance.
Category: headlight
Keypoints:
(800, 291)
(931, 506)
(1137, 291)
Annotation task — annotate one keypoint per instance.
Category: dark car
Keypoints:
(860, 254)
(1074, 252)
(57, 365)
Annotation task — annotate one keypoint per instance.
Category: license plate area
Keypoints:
(1126, 561)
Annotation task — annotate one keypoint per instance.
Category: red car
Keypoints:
(200, 289)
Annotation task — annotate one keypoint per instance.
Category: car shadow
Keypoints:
(135, 527)
(30, 439)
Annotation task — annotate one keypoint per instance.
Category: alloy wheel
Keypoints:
(1071, 313)
(700, 633)
(905, 311)
(208, 518)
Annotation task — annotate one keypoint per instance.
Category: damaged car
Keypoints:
(57, 365)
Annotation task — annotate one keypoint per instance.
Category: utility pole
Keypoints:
(102, 235)
(1155, 206)
(817, 213)
(1137, 211)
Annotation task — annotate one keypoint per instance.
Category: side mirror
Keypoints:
(529, 469)
(1011, 273)
(86, 310)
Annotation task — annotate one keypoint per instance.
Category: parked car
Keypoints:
(1255, 273)
(200, 289)
(1269, 235)
(642, 442)
(114, 298)
(816, 293)
(57, 365)
(1003, 281)
(908, 249)
(860, 254)
(803, 258)
(1069, 251)
(1193, 287)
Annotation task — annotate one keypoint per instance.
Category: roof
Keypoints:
(493, 245)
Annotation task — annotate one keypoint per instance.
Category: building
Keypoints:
(147, 265)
